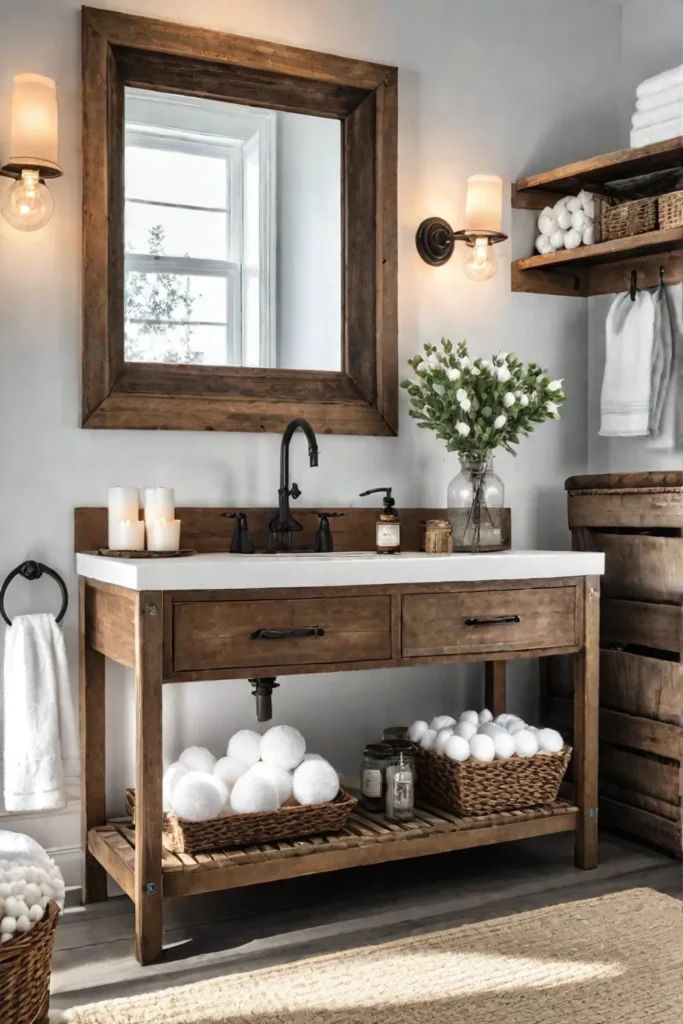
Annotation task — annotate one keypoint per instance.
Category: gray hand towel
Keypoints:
(662, 358)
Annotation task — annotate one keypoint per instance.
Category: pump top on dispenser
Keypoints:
(388, 529)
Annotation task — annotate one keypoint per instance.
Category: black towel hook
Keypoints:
(31, 570)
(634, 285)
(661, 277)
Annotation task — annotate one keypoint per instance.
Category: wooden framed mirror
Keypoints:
(239, 219)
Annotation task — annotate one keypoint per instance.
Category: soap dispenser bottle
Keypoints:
(388, 530)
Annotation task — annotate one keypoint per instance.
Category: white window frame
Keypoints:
(159, 122)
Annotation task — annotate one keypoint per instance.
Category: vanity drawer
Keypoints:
(470, 622)
(233, 634)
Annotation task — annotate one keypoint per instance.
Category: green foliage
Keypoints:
(478, 405)
(152, 303)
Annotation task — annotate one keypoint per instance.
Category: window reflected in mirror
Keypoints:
(233, 247)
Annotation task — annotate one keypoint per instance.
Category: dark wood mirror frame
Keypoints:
(120, 50)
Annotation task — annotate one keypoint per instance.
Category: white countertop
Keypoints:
(337, 569)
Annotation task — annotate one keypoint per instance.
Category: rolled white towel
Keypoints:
(587, 203)
(588, 237)
(557, 239)
(667, 112)
(658, 99)
(572, 239)
(547, 221)
(574, 204)
(564, 218)
(657, 83)
(580, 220)
(543, 245)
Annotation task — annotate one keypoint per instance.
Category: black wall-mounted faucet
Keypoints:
(282, 525)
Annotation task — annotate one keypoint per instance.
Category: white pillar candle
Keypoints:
(159, 504)
(123, 504)
(130, 535)
(163, 535)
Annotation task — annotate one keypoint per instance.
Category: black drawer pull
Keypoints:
(287, 634)
(497, 620)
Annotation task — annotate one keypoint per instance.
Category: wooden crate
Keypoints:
(637, 520)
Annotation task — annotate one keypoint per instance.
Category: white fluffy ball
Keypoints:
(8, 925)
(457, 748)
(199, 796)
(245, 745)
(469, 716)
(197, 759)
(441, 722)
(252, 793)
(549, 741)
(504, 744)
(172, 776)
(482, 748)
(503, 719)
(485, 716)
(279, 777)
(491, 729)
(417, 730)
(442, 737)
(526, 743)
(557, 239)
(229, 770)
(516, 726)
(313, 757)
(284, 746)
(427, 741)
(465, 730)
(315, 782)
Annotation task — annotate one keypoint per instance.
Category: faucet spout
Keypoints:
(283, 524)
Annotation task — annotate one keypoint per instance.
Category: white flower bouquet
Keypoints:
(478, 405)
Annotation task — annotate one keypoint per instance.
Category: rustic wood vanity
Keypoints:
(178, 620)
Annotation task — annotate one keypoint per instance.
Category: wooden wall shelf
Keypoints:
(606, 266)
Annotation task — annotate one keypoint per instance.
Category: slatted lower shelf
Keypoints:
(366, 839)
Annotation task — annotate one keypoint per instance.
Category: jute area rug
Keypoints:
(613, 960)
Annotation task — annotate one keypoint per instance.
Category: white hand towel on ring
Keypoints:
(625, 397)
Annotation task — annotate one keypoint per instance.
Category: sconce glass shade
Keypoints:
(27, 204)
(480, 261)
(484, 203)
(34, 126)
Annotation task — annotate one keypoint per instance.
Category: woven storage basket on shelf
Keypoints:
(25, 972)
(619, 220)
(671, 210)
(484, 787)
(261, 827)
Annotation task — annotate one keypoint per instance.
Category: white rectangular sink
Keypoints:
(336, 569)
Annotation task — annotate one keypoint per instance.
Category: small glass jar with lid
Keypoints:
(394, 732)
(373, 776)
(400, 786)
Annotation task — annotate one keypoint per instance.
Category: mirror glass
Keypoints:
(233, 243)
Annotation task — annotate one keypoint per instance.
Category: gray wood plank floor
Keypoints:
(207, 936)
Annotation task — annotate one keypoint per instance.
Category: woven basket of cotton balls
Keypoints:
(567, 225)
(478, 764)
(31, 896)
(267, 787)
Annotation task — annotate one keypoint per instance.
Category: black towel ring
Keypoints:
(33, 571)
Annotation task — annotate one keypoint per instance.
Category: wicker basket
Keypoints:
(671, 210)
(620, 220)
(289, 822)
(25, 972)
(484, 787)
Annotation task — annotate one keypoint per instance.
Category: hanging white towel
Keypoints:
(660, 99)
(657, 132)
(41, 747)
(662, 356)
(664, 80)
(625, 398)
(658, 115)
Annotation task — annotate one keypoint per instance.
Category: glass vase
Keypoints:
(474, 496)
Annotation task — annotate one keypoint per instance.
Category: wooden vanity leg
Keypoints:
(148, 778)
(93, 736)
(586, 712)
(494, 687)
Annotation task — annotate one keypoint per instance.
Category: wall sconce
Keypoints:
(435, 238)
(27, 204)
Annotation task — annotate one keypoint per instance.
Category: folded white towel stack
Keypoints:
(41, 746)
(659, 108)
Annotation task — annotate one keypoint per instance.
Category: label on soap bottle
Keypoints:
(388, 535)
(372, 782)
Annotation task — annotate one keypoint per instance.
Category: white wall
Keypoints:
(485, 85)
(651, 36)
(308, 242)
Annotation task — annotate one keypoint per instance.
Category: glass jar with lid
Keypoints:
(373, 776)
(400, 786)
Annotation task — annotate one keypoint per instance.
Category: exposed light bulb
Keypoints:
(27, 204)
(480, 263)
